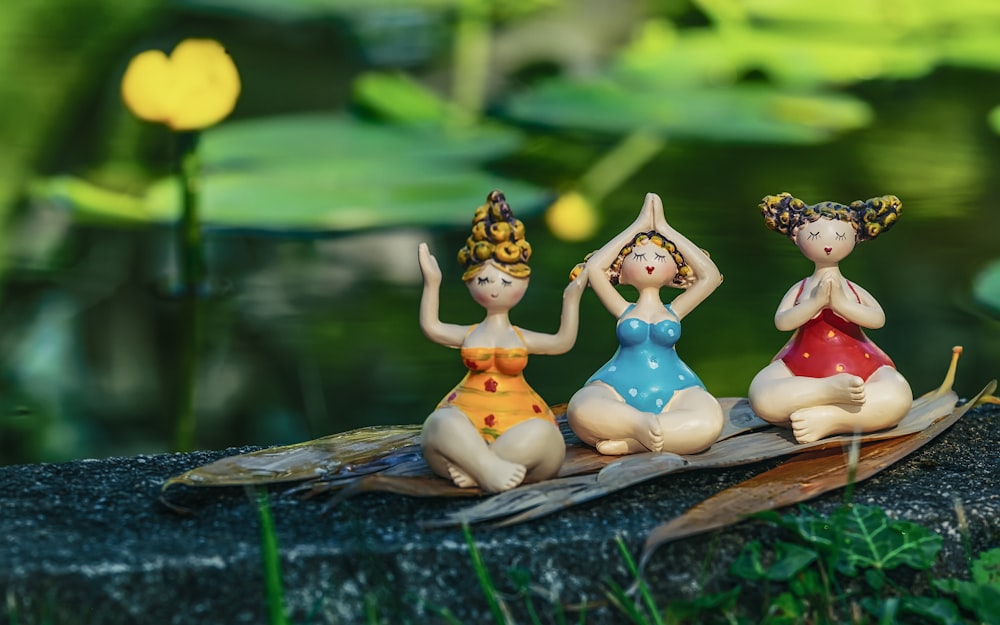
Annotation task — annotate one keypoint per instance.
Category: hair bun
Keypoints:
(496, 236)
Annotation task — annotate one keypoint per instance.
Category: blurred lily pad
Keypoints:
(736, 113)
(321, 173)
(815, 43)
(986, 288)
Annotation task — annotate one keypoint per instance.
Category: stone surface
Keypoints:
(88, 541)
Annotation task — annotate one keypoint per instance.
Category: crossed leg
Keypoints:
(532, 450)
(818, 407)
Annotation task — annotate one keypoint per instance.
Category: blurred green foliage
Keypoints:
(367, 126)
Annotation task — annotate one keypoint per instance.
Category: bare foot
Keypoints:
(461, 478)
(846, 389)
(620, 447)
(811, 424)
(648, 432)
(499, 475)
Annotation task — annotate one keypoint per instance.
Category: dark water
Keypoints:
(318, 336)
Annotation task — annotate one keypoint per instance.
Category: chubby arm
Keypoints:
(563, 340)
(706, 273)
(791, 316)
(867, 313)
(601, 260)
(448, 334)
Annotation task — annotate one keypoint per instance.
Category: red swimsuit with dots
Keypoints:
(828, 344)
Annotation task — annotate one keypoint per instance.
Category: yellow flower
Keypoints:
(572, 217)
(194, 88)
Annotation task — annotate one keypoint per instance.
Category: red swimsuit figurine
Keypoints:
(829, 378)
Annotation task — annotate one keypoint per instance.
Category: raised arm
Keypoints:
(844, 300)
(601, 260)
(448, 334)
(569, 323)
(707, 276)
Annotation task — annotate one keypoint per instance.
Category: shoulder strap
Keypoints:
(517, 331)
(851, 286)
(627, 310)
(802, 285)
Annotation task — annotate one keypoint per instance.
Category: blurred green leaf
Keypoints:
(52, 52)
(320, 172)
(301, 9)
(994, 119)
(399, 98)
(986, 568)
(986, 287)
(739, 113)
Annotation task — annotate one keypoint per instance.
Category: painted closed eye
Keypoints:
(813, 235)
(660, 258)
(639, 256)
(841, 236)
(482, 281)
(506, 282)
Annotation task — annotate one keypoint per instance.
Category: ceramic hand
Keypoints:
(659, 217)
(652, 209)
(576, 287)
(428, 266)
(822, 294)
(839, 299)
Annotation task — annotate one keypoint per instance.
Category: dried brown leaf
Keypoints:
(804, 477)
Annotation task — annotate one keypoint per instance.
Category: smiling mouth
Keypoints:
(496, 295)
(649, 270)
(827, 250)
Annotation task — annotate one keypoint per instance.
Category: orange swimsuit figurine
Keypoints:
(493, 431)
(493, 394)
(829, 378)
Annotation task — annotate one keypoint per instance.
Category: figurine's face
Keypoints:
(648, 265)
(826, 240)
(495, 289)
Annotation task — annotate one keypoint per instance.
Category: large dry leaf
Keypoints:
(360, 451)
(388, 459)
(800, 479)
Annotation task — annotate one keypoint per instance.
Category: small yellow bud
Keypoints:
(572, 217)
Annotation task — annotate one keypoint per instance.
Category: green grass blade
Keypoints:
(647, 596)
(272, 563)
(485, 581)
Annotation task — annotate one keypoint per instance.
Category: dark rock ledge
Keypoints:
(88, 542)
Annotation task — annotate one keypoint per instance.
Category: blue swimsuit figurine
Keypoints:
(646, 370)
(645, 398)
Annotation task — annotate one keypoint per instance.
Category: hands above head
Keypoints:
(428, 266)
(651, 212)
(659, 218)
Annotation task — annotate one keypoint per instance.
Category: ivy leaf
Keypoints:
(864, 537)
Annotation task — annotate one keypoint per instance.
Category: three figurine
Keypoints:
(493, 431)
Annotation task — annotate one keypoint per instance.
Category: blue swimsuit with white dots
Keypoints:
(646, 370)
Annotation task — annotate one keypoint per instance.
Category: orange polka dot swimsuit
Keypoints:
(828, 344)
(493, 394)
